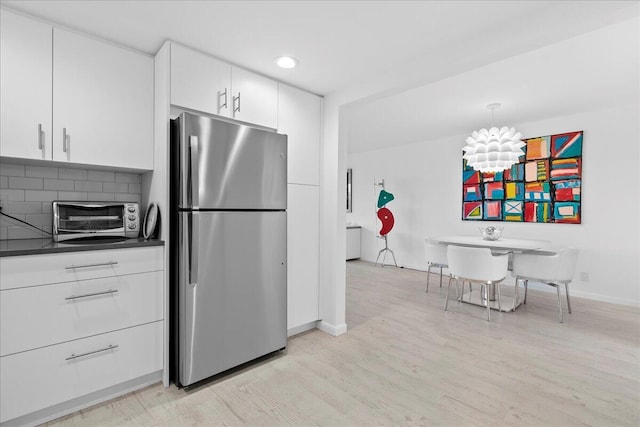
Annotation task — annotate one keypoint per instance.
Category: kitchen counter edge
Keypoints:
(19, 247)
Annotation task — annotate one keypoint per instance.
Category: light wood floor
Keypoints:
(404, 361)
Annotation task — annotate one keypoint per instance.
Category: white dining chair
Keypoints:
(553, 270)
(436, 256)
(476, 265)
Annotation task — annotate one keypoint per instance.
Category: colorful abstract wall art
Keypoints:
(544, 187)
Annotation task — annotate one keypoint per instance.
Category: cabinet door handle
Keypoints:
(88, 353)
(236, 108)
(64, 140)
(40, 137)
(102, 264)
(74, 297)
(224, 104)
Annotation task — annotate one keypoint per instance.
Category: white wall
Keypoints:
(416, 174)
(426, 181)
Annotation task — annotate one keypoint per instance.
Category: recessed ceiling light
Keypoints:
(286, 62)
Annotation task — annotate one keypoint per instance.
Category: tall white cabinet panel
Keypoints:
(200, 82)
(299, 117)
(102, 103)
(254, 98)
(303, 250)
(25, 87)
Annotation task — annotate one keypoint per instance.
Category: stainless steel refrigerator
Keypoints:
(230, 224)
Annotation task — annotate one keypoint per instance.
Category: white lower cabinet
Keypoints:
(76, 309)
(33, 270)
(303, 247)
(77, 323)
(41, 378)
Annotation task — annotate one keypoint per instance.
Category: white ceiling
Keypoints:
(388, 45)
(337, 42)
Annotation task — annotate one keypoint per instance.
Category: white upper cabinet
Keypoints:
(203, 83)
(102, 103)
(255, 98)
(69, 98)
(25, 87)
(200, 82)
(299, 116)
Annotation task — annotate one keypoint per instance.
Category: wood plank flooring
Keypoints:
(404, 361)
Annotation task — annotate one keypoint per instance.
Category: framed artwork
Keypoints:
(546, 186)
(349, 190)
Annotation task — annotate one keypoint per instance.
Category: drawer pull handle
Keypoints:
(103, 264)
(73, 297)
(75, 356)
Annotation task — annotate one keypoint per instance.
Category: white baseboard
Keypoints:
(581, 294)
(65, 408)
(572, 291)
(302, 328)
(333, 330)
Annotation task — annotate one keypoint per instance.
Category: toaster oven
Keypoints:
(77, 220)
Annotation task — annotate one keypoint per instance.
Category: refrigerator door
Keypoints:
(232, 290)
(229, 166)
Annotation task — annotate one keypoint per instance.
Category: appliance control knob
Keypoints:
(131, 209)
(132, 226)
(132, 217)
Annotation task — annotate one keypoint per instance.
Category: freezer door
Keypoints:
(232, 290)
(229, 166)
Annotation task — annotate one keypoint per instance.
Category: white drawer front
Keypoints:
(29, 270)
(44, 315)
(40, 378)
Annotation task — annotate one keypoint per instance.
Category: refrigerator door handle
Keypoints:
(193, 233)
(194, 157)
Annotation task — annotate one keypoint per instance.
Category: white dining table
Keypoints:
(503, 245)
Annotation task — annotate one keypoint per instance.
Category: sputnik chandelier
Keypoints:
(493, 150)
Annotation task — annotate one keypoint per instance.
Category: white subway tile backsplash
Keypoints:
(40, 195)
(101, 197)
(72, 195)
(10, 221)
(87, 186)
(38, 219)
(27, 233)
(7, 194)
(115, 187)
(128, 177)
(41, 172)
(22, 208)
(25, 183)
(101, 176)
(27, 191)
(59, 184)
(127, 197)
(8, 169)
(73, 173)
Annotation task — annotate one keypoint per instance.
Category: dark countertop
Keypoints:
(45, 246)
